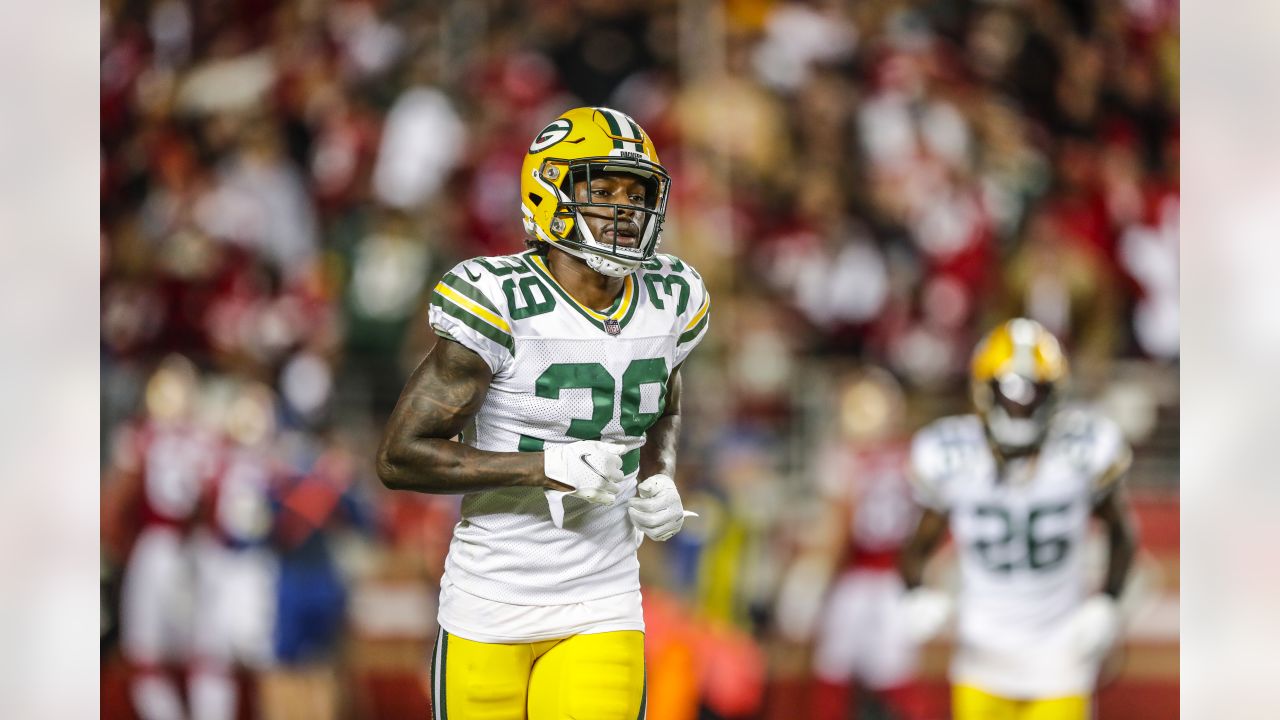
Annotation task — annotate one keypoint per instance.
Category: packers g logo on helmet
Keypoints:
(1016, 377)
(550, 135)
(581, 143)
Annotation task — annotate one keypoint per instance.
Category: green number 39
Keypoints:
(594, 376)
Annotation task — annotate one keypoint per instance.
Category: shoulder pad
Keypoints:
(673, 285)
(666, 262)
(468, 306)
(1091, 443)
(501, 266)
(942, 449)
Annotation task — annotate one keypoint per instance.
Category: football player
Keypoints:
(235, 569)
(162, 466)
(1016, 484)
(559, 367)
(861, 634)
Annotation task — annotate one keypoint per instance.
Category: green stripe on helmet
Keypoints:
(614, 129)
(638, 135)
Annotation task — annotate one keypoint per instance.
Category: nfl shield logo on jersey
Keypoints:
(612, 326)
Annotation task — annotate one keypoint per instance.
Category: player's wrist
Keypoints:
(529, 470)
(655, 480)
(546, 483)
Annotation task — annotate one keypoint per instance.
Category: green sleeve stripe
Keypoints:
(530, 444)
(473, 322)
(694, 331)
(471, 291)
(631, 461)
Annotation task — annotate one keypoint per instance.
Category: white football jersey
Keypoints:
(1019, 534)
(561, 372)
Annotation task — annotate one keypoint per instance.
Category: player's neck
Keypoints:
(1005, 458)
(587, 286)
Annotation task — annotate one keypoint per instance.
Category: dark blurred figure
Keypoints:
(311, 601)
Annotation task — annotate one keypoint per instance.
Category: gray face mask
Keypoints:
(1019, 412)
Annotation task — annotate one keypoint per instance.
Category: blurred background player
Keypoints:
(236, 567)
(860, 635)
(314, 504)
(1017, 484)
(163, 464)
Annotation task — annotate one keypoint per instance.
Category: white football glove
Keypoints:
(1094, 626)
(593, 469)
(927, 611)
(656, 508)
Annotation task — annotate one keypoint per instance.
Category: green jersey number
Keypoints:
(537, 299)
(671, 286)
(1043, 551)
(594, 377)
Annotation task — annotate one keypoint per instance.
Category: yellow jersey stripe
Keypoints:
(706, 305)
(473, 307)
(628, 297)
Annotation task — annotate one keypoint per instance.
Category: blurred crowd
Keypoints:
(861, 183)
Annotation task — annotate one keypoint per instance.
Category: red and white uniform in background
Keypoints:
(236, 570)
(174, 463)
(861, 632)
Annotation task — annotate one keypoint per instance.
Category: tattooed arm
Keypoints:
(440, 398)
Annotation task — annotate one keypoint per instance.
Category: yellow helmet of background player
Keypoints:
(1016, 376)
(573, 148)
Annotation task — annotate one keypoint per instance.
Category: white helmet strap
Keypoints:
(613, 267)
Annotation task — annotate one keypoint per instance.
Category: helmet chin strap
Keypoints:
(601, 264)
(609, 266)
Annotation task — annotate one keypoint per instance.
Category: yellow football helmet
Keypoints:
(582, 142)
(1016, 377)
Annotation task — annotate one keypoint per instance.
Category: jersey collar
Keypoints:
(622, 310)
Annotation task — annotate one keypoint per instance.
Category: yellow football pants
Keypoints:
(970, 703)
(583, 677)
